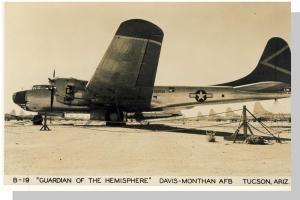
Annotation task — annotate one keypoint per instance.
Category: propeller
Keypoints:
(52, 89)
(51, 99)
(51, 80)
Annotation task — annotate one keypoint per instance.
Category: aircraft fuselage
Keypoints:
(164, 98)
(123, 82)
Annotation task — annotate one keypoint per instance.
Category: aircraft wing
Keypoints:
(128, 68)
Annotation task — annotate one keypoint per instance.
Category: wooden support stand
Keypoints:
(246, 127)
(243, 125)
(45, 127)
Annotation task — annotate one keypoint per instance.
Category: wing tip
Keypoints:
(140, 28)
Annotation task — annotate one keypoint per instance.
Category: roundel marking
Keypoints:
(200, 96)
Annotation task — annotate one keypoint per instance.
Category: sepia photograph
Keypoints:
(151, 94)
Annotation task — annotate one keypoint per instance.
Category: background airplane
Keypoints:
(231, 115)
(264, 115)
(213, 116)
(124, 81)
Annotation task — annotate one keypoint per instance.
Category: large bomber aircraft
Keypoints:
(123, 83)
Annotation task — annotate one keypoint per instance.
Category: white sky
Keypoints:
(204, 43)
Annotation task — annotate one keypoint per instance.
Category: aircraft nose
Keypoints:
(19, 97)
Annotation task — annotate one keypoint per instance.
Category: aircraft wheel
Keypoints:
(113, 119)
(116, 124)
(37, 120)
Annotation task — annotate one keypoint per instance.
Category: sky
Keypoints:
(204, 43)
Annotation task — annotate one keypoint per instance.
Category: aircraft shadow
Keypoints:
(168, 128)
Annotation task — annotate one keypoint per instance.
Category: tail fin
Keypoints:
(230, 113)
(128, 68)
(259, 109)
(274, 65)
(132, 57)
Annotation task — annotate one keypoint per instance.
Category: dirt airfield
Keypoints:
(159, 149)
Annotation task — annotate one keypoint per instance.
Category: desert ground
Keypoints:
(166, 148)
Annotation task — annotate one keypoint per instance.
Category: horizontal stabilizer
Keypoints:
(270, 86)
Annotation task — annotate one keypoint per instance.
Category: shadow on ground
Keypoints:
(168, 128)
(162, 128)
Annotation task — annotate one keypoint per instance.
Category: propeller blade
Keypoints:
(51, 98)
(51, 88)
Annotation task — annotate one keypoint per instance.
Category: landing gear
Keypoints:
(37, 119)
(139, 117)
(45, 127)
(114, 118)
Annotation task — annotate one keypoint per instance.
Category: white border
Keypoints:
(5, 190)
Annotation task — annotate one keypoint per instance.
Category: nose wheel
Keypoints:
(45, 126)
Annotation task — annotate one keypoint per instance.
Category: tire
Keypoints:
(37, 120)
(113, 119)
(116, 124)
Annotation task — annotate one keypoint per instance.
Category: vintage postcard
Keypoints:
(148, 94)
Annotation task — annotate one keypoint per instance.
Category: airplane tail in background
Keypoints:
(273, 66)
(259, 109)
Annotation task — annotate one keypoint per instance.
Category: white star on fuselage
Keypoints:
(201, 95)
